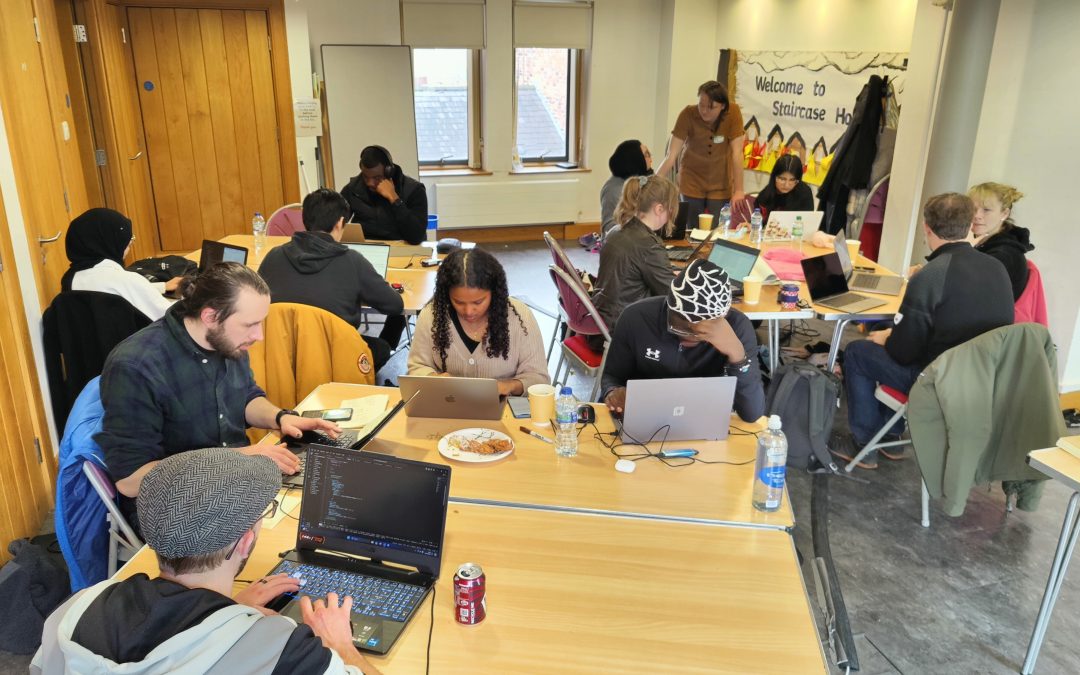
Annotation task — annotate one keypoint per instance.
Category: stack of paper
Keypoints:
(1070, 444)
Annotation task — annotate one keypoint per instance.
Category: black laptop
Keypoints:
(214, 252)
(678, 230)
(735, 259)
(828, 287)
(371, 527)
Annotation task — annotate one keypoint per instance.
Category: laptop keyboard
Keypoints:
(371, 596)
(345, 439)
(680, 253)
(867, 280)
(845, 299)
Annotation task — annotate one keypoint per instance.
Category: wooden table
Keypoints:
(534, 476)
(574, 593)
(1064, 467)
(419, 282)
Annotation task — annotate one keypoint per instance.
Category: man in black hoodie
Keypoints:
(386, 202)
(316, 269)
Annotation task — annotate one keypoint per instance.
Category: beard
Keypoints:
(219, 343)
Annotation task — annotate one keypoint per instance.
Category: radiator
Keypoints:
(477, 204)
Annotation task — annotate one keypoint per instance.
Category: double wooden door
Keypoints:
(206, 92)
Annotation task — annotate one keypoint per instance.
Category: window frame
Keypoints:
(574, 111)
(474, 101)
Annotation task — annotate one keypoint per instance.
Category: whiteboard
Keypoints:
(369, 101)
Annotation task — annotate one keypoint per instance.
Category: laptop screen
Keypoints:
(840, 245)
(376, 254)
(374, 505)
(230, 254)
(214, 252)
(735, 259)
(824, 276)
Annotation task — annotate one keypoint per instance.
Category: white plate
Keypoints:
(477, 434)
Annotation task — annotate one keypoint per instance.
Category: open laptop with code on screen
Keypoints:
(371, 527)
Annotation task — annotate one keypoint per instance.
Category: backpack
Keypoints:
(163, 269)
(806, 399)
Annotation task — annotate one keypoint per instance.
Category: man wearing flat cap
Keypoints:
(201, 512)
(692, 332)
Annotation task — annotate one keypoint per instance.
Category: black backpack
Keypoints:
(806, 399)
(163, 269)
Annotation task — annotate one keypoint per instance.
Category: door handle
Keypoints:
(137, 155)
(43, 240)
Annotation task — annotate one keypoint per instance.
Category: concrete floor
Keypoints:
(959, 597)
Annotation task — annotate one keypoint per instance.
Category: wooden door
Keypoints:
(28, 469)
(208, 109)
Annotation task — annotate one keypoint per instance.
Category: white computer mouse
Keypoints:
(625, 465)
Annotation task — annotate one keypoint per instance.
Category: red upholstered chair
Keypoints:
(285, 221)
(1030, 307)
(583, 320)
(563, 263)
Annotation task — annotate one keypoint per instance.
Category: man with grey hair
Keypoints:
(692, 332)
(201, 512)
(959, 294)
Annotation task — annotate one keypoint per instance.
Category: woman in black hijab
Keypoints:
(96, 244)
(631, 158)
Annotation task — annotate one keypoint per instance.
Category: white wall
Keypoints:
(300, 70)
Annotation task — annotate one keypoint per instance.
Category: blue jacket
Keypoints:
(81, 527)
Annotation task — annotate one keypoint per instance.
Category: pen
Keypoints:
(536, 435)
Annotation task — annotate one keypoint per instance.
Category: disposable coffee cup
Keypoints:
(751, 290)
(853, 248)
(542, 404)
(705, 221)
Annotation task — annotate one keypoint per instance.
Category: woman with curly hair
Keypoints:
(473, 328)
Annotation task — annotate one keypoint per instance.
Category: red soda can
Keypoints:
(470, 588)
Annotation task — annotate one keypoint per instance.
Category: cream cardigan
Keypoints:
(525, 361)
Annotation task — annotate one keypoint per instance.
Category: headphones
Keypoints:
(389, 166)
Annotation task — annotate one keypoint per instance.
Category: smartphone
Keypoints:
(430, 262)
(331, 415)
(519, 406)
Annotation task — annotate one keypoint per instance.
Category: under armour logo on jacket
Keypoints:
(652, 354)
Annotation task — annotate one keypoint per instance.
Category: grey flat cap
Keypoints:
(201, 501)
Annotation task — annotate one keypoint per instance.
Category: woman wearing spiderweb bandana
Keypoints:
(692, 332)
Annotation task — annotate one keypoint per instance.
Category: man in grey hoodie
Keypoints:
(316, 269)
(201, 512)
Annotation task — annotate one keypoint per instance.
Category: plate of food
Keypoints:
(475, 445)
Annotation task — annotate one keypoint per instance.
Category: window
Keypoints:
(545, 84)
(445, 101)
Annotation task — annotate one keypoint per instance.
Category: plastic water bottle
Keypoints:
(797, 231)
(725, 221)
(566, 423)
(769, 469)
(258, 228)
(757, 233)
(432, 227)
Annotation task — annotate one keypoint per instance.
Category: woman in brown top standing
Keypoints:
(708, 142)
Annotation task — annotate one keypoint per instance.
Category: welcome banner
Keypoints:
(801, 102)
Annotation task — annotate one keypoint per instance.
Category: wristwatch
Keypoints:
(738, 367)
(283, 412)
(399, 202)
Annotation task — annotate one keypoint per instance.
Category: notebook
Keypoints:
(214, 252)
(828, 287)
(682, 253)
(886, 284)
(371, 527)
(376, 254)
(692, 409)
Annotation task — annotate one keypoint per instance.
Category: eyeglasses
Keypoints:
(271, 511)
(679, 332)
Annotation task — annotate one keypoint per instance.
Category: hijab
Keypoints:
(628, 160)
(96, 235)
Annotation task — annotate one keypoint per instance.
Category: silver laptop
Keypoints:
(871, 282)
(828, 287)
(457, 398)
(353, 233)
(376, 254)
(811, 221)
(678, 409)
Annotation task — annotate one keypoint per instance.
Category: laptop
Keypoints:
(458, 398)
(682, 254)
(811, 221)
(353, 234)
(371, 527)
(735, 259)
(678, 229)
(348, 440)
(693, 409)
(214, 252)
(828, 287)
(886, 284)
(376, 254)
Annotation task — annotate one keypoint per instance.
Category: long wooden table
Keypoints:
(534, 476)
(574, 593)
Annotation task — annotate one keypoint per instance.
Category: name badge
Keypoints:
(718, 139)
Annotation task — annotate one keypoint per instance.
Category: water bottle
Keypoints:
(725, 220)
(432, 227)
(258, 228)
(797, 231)
(566, 423)
(770, 467)
(757, 233)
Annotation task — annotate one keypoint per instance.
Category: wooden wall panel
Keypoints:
(247, 141)
(262, 84)
(233, 211)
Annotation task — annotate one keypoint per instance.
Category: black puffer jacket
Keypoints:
(1010, 246)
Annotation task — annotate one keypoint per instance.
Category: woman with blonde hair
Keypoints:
(633, 263)
(996, 234)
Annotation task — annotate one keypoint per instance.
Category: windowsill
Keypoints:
(545, 168)
(437, 172)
